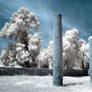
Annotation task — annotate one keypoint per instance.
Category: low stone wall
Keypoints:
(24, 71)
(38, 72)
(75, 73)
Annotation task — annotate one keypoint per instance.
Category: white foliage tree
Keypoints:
(71, 45)
(75, 52)
(4, 57)
(26, 47)
(85, 55)
(45, 57)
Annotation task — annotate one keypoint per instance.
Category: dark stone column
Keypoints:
(57, 47)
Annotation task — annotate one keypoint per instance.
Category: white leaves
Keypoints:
(11, 29)
(21, 21)
(45, 57)
(4, 52)
(23, 10)
(24, 54)
(34, 42)
(3, 35)
(32, 48)
(20, 46)
(3, 32)
(71, 35)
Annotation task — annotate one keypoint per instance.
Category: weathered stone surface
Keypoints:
(57, 47)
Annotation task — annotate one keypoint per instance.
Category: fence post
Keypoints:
(90, 57)
(57, 47)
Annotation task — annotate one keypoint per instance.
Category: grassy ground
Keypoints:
(43, 84)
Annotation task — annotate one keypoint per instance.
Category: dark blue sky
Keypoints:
(76, 14)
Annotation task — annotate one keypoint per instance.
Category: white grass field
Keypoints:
(43, 84)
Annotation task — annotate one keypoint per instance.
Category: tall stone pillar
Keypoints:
(90, 57)
(57, 47)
